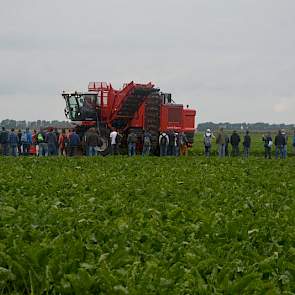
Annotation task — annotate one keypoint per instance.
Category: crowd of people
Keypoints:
(170, 143)
(48, 142)
(52, 142)
(224, 141)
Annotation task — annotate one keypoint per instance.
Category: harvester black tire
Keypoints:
(105, 148)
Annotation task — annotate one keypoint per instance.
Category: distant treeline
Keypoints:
(8, 124)
(245, 126)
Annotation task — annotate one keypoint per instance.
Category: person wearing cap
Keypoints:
(208, 142)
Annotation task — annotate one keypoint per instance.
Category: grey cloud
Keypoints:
(232, 60)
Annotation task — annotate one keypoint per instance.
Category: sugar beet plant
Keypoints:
(147, 226)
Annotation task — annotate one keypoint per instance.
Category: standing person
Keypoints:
(13, 143)
(293, 143)
(235, 141)
(176, 144)
(92, 141)
(171, 145)
(57, 134)
(147, 143)
(267, 145)
(4, 141)
(132, 141)
(279, 143)
(220, 140)
(42, 143)
(208, 136)
(183, 142)
(247, 144)
(74, 142)
(163, 142)
(26, 141)
(285, 147)
(19, 141)
(114, 135)
(51, 142)
(63, 141)
(226, 151)
(34, 150)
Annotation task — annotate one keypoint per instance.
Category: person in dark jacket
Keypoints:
(51, 140)
(57, 134)
(235, 141)
(176, 144)
(247, 144)
(92, 141)
(226, 140)
(285, 148)
(132, 141)
(146, 143)
(267, 145)
(19, 141)
(13, 142)
(220, 140)
(171, 145)
(163, 143)
(74, 142)
(4, 141)
(280, 142)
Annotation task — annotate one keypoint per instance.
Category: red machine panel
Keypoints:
(189, 118)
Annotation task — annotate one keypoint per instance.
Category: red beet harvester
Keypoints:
(136, 106)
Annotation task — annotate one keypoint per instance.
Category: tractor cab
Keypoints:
(81, 106)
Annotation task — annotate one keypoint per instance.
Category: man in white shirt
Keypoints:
(114, 143)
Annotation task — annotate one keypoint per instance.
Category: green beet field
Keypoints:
(119, 225)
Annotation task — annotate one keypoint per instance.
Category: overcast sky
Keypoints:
(232, 60)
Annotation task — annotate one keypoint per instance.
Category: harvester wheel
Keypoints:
(105, 148)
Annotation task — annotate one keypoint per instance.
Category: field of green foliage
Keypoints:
(147, 226)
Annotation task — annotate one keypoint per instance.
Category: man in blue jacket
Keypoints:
(51, 142)
(13, 142)
(74, 142)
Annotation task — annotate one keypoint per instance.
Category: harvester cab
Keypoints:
(81, 106)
